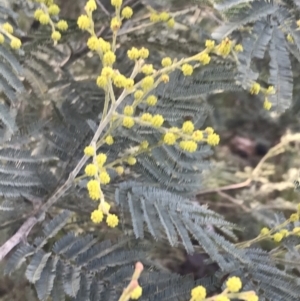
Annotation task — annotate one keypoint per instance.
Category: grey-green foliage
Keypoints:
(264, 26)
(10, 83)
(83, 268)
(164, 212)
(155, 197)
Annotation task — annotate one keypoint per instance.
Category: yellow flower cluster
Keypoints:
(188, 127)
(162, 17)
(97, 215)
(238, 48)
(255, 88)
(187, 69)
(135, 54)
(43, 15)
(151, 100)
(136, 293)
(101, 176)
(198, 293)
(131, 160)
(204, 58)
(209, 44)
(127, 12)
(166, 61)
(290, 39)
(8, 30)
(169, 138)
(144, 144)
(233, 285)
(128, 122)
(188, 145)
(267, 104)
(224, 47)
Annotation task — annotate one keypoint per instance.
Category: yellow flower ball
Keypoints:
(136, 293)
(104, 207)
(90, 6)
(165, 78)
(104, 45)
(38, 12)
(224, 47)
(166, 61)
(188, 145)
(238, 48)
(171, 22)
(128, 122)
(204, 58)
(188, 127)
(2, 39)
(234, 284)
(93, 187)
(133, 53)
(131, 160)
(151, 100)
(264, 231)
(127, 12)
(154, 17)
(116, 3)
(93, 43)
(294, 217)
(112, 220)
(62, 25)
(197, 136)
(119, 81)
(115, 24)
(209, 44)
(147, 82)
(101, 81)
(109, 58)
(144, 144)
(90, 170)
(267, 104)
(209, 130)
(129, 83)
(104, 177)
(147, 117)
(55, 36)
(169, 138)
(15, 43)
(44, 19)
(107, 72)
(278, 237)
(119, 170)
(109, 140)
(213, 139)
(164, 16)
(198, 293)
(138, 94)
(157, 121)
(128, 110)
(7, 27)
(144, 53)
(101, 159)
(53, 10)
(147, 69)
(84, 22)
(255, 88)
(89, 151)
(97, 216)
(187, 69)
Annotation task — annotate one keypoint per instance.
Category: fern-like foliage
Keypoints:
(10, 83)
(271, 23)
(85, 269)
